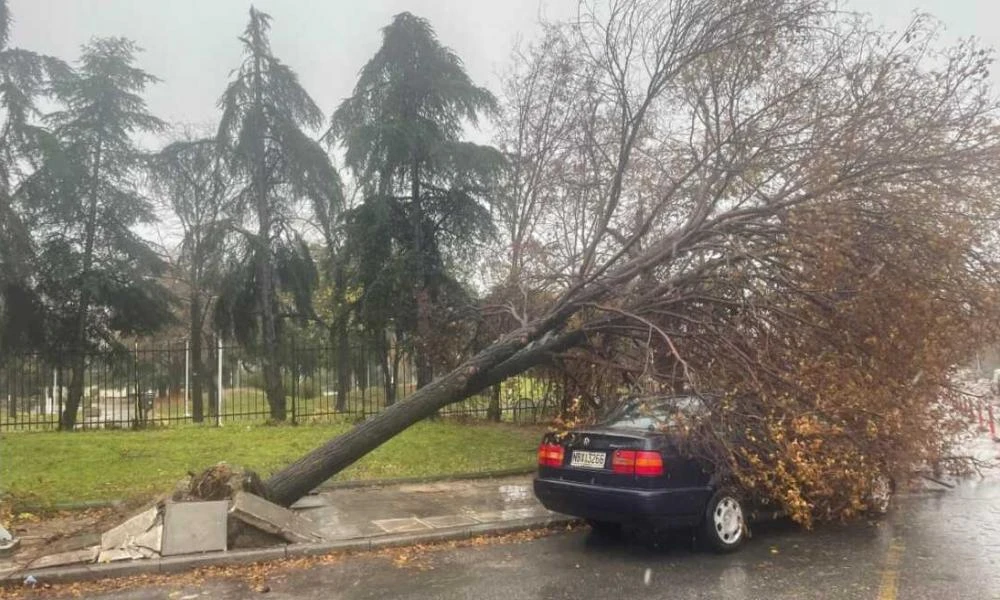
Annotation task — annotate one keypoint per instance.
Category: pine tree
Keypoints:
(98, 276)
(425, 188)
(264, 112)
(24, 78)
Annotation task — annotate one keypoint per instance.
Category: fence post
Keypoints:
(187, 378)
(138, 394)
(221, 401)
(50, 402)
(59, 402)
(295, 381)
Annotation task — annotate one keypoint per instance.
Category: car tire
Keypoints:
(724, 528)
(606, 529)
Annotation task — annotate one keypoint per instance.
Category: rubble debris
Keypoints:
(278, 520)
(144, 530)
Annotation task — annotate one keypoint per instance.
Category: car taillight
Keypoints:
(637, 462)
(550, 455)
(648, 464)
(623, 462)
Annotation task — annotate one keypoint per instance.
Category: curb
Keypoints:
(177, 564)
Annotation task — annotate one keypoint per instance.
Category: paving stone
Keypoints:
(448, 521)
(267, 516)
(62, 559)
(194, 527)
(401, 525)
(122, 535)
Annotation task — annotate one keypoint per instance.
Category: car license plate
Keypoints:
(587, 460)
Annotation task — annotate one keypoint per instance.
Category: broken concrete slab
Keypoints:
(278, 520)
(87, 555)
(194, 527)
(129, 553)
(123, 535)
(152, 540)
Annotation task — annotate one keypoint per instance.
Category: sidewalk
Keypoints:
(347, 519)
(343, 514)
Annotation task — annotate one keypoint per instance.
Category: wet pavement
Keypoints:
(933, 545)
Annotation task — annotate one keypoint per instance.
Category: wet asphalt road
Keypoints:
(933, 546)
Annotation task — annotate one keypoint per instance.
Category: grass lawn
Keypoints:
(44, 468)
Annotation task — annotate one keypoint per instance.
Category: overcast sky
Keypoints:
(191, 44)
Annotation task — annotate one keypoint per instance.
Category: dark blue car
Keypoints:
(629, 470)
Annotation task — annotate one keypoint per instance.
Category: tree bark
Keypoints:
(493, 411)
(388, 389)
(342, 342)
(194, 336)
(422, 295)
(509, 356)
(266, 294)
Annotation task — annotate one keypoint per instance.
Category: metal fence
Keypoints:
(155, 386)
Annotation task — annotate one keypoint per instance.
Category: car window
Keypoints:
(655, 413)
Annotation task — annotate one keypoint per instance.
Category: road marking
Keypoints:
(890, 572)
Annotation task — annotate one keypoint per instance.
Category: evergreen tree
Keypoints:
(24, 78)
(264, 112)
(98, 276)
(425, 189)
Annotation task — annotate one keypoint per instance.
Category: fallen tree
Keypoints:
(761, 197)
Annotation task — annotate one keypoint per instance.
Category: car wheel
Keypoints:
(608, 529)
(880, 495)
(724, 528)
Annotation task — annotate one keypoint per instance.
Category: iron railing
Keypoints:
(154, 386)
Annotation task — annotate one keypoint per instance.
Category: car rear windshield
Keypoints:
(655, 413)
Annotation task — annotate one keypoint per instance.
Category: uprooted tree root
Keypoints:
(219, 482)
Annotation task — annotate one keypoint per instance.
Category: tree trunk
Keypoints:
(67, 421)
(388, 389)
(342, 342)
(194, 337)
(422, 296)
(269, 330)
(197, 372)
(493, 411)
(508, 356)
(266, 293)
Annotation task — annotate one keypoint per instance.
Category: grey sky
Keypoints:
(191, 44)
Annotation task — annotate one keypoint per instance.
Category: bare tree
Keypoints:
(190, 179)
